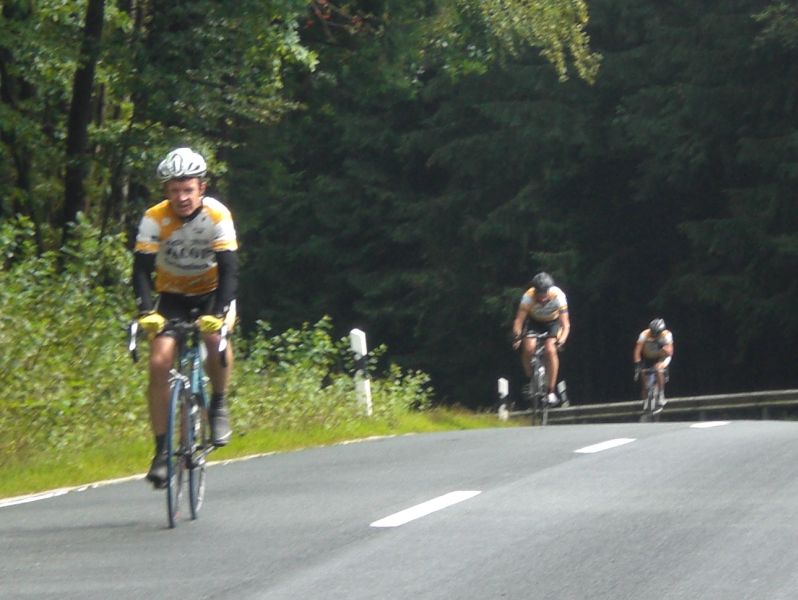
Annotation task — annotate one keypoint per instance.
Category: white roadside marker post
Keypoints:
(504, 391)
(357, 342)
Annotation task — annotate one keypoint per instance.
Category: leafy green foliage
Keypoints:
(67, 380)
(780, 21)
(169, 73)
(61, 342)
(555, 26)
(302, 378)
(406, 166)
(419, 213)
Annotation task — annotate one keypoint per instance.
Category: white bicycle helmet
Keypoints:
(657, 326)
(180, 163)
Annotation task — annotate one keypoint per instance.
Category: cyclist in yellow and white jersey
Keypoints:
(189, 242)
(654, 350)
(543, 309)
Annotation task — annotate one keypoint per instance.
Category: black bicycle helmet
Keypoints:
(542, 282)
(657, 326)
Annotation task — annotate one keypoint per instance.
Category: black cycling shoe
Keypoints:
(158, 472)
(220, 426)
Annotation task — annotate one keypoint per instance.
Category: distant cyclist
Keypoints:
(654, 350)
(189, 242)
(543, 309)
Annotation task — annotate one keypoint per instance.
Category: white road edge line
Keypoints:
(16, 500)
(33, 497)
(425, 508)
(708, 424)
(604, 445)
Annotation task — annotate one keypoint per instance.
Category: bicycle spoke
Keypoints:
(174, 443)
(200, 445)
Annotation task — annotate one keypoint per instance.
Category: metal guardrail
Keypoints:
(699, 408)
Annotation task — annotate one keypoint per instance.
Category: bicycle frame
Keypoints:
(188, 431)
(651, 410)
(190, 360)
(538, 382)
(188, 403)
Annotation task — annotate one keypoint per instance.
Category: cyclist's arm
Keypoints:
(666, 351)
(227, 261)
(565, 327)
(143, 266)
(637, 355)
(518, 323)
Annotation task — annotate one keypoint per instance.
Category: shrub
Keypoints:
(67, 379)
(65, 375)
(303, 377)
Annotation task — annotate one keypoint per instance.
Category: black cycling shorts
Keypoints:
(178, 306)
(551, 328)
(648, 363)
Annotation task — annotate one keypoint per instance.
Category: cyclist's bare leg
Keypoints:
(661, 378)
(552, 363)
(162, 355)
(219, 376)
(528, 346)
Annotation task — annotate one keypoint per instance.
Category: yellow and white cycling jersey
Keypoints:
(652, 344)
(185, 250)
(548, 310)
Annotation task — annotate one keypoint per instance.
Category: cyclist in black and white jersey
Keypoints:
(654, 350)
(543, 309)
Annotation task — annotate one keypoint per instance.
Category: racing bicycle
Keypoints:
(536, 390)
(188, 434)
(654, 400)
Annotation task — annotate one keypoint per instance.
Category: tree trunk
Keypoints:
(80, 116)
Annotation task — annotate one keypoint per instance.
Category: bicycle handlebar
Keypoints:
(644, 371)
(182, 327)
(538, 335)
(132, 334)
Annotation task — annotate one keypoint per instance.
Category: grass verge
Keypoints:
(125, 457)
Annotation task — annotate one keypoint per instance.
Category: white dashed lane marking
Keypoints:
(604, 445)
(425, 508)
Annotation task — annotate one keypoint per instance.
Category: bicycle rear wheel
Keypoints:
(177, 428)
(650, 403)
(544, 411)
(200, 444)
(540, 409)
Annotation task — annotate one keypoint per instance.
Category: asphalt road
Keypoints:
(662, 511)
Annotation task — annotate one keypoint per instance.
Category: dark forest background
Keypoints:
(406, 167)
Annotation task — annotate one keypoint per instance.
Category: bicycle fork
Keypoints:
(184, 413)
(199, 449)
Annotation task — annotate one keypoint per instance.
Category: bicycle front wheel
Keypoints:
(200, 446)
(650, 403)
(540, 404)
(177, 428)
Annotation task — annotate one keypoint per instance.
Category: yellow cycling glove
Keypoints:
(152, 323)
(210, 323)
